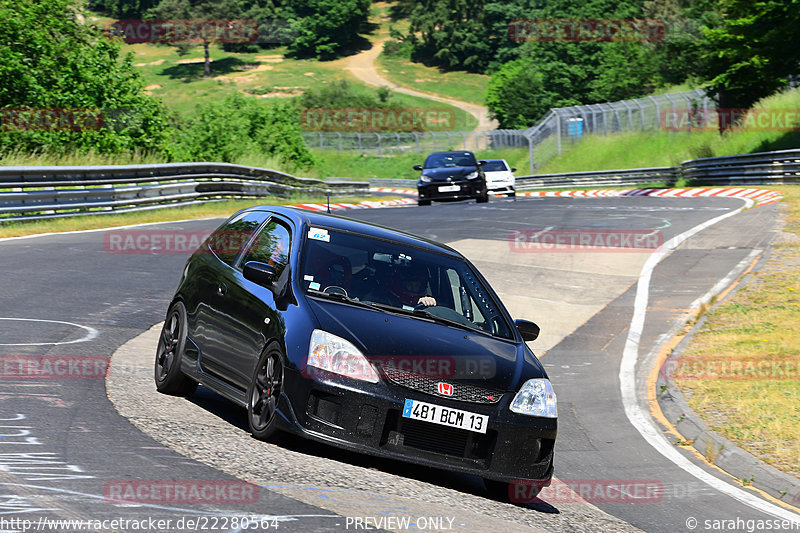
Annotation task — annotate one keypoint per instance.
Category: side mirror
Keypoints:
(260, 273)
(481, 163)
(528, 330)
(513, 169)
(417, 167)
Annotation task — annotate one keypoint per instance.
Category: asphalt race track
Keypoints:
(65, 448)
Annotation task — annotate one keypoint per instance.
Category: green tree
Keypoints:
(197, 10)
(325, 28)
(522, 91)
(65, 69)
(753, 51)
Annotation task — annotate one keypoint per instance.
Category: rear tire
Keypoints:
(423, 202)
(264, 392)
(167, 372)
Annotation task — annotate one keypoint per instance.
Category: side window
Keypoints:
(228, 240)
(271, 246)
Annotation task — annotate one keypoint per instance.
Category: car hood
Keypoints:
(498, 175)
(434, 350)
(441, 174)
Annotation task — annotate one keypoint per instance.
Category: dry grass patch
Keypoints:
(741, 371)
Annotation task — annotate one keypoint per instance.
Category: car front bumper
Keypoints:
(466, 189)
(367, 418)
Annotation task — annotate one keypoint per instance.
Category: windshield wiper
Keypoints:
(339, 297)
(446, 321)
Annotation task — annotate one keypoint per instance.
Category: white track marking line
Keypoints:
(215, 512)
(640, 418)
(91, 333)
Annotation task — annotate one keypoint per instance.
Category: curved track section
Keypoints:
(65, 449)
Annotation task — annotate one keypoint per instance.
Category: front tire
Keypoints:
(482, 199)
(423, 202)
(264, 393)
(167, 372)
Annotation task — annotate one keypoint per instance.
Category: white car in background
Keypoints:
(499, 177)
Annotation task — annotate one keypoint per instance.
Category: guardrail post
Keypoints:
(380, 146)
(630, 116)
(558, 130)
(658, 112)
(340, 140)
(641, 111)
(531, 166)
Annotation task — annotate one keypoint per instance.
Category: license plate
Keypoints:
(445, 416)
(449, 188)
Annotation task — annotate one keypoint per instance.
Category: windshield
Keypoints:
(463, 159)
(398, 278)
(495, 166)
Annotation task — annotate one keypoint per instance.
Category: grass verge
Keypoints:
(463, 86)
(663, 148)
(752, 343)
(222, 209)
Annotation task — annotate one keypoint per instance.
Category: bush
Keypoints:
(228, 130)
(398, 48)
(341, 93)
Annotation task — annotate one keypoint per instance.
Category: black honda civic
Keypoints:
(361, 337)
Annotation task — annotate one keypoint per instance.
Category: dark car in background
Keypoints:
(361, 337)
(453, 175)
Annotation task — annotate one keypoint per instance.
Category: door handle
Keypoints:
(222, 289)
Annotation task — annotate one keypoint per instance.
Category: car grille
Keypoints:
(435, 438)
(461, 391)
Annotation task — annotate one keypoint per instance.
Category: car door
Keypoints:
(247, 312)
(211, 268)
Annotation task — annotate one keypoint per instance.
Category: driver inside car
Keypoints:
(408, 288)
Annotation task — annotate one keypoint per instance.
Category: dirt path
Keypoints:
(362, 66)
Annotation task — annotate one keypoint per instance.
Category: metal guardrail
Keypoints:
(46, 192)
(602, 178)
(28, 193)
(751, 169)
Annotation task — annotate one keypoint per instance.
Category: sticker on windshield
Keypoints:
(308, 278)
(314, 286)
(319, 234)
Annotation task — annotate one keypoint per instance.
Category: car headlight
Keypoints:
(425, 179)
(334, 354)
(536, 398)
(472, 175)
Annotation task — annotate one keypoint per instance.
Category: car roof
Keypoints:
(449, 152)
(330, 221)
